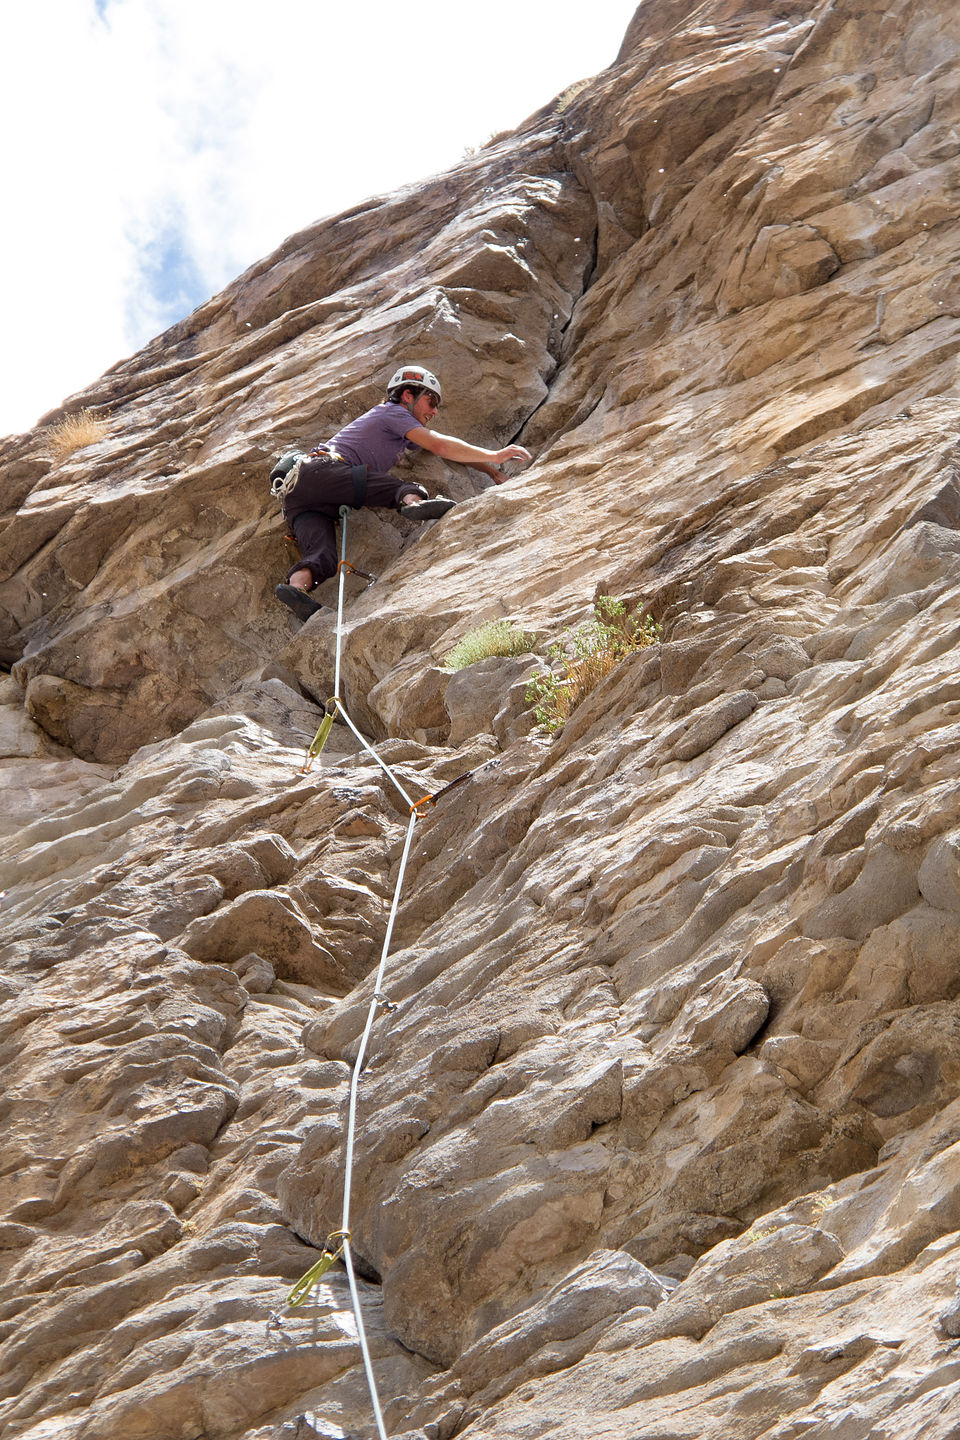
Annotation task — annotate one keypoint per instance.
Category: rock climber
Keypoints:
(352, 469)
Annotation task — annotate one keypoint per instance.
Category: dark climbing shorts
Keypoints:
(313, 507)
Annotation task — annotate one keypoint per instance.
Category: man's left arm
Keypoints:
(494, 471)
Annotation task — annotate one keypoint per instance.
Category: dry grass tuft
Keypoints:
(74, 431)
(567, 96)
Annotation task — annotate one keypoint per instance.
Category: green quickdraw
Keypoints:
(329, 1257)
(320, 739)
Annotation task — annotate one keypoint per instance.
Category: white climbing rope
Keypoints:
(342, 575)
(338, 1243)
(375, 1001)
(382, 763)
(304, 1286)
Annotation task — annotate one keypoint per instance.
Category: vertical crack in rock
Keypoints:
(558, 352)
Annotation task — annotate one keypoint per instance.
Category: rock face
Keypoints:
(660, 1132)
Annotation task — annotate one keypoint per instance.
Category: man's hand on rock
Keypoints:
(513, 452)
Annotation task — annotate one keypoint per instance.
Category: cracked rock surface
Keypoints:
(659, 1133)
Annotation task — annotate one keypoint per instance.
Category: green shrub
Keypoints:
(585, 656)
(496, 637)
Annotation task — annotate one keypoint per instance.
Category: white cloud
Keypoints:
(161, 146)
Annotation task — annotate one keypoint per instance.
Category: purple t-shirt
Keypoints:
(376, 439)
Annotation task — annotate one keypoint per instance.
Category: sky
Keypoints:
(153, 149)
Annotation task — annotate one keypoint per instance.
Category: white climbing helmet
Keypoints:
(414, 376)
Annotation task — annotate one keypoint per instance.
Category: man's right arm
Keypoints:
(448, 447)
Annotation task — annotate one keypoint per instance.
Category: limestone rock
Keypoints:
(271, 922)
(949, 1319)
(489, 698)
(739, 1273)
(670, 996)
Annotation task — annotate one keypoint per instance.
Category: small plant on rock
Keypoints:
(74, 431)
(496, 637)
(586, 656)
(571, 92)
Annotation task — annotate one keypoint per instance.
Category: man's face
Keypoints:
(425, 407)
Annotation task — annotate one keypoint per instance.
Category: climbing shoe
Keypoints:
(427, 509)
(298, 601)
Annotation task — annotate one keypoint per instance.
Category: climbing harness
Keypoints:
(286, 473)
(338, 1243)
